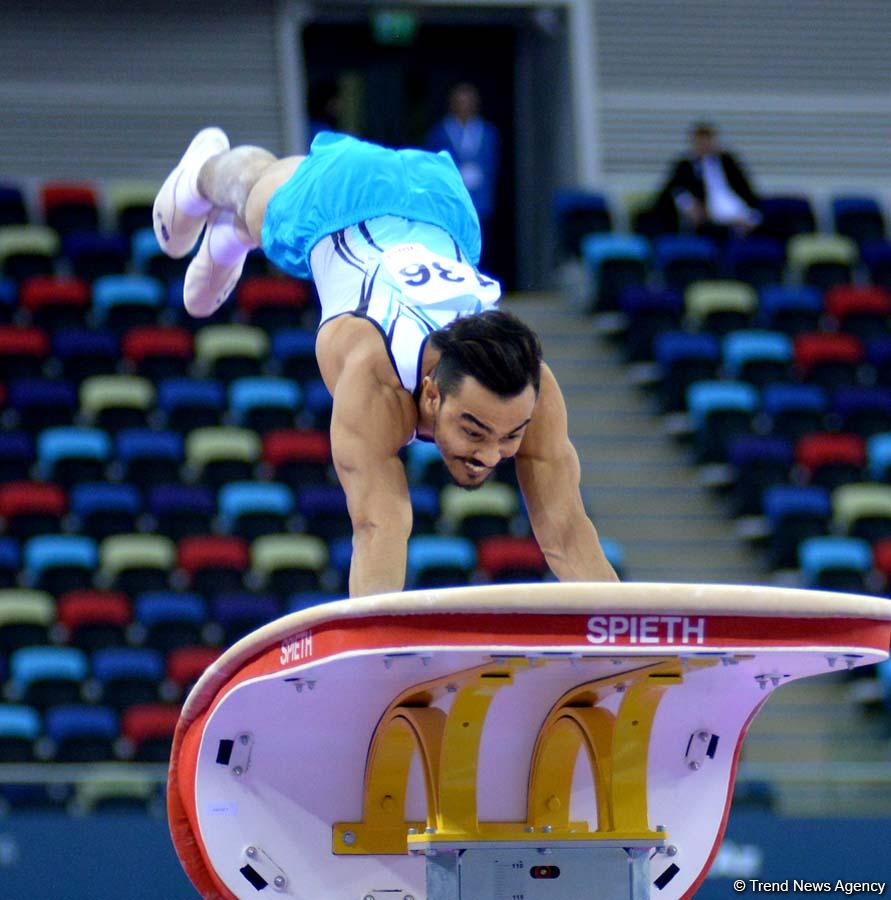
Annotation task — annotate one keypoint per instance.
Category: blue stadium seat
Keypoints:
(794, 409)
(43, 676)
(793, 309)
(423, 464)
(42, 402)
(149, 457)
(757, 261)
(759, 357)
(180, 510)
(103, 508)
(127, 301)
(20, 727)
(758, 461)
(324, 509)
(9, 298)
(340, 555)
(16, 455)
(143, 246)
(60, 562)
(878, 358)
(876, 256)
(425, 508)
(683, 359)
(295, 350)
(317, 402)
(190, 403)
(795, 513)
(67, 455)
(835, 563)
(720, 411)
(10, 561)
(878, 456)
(615, 262)
(859, 218)
(149, 260)
(128, 675)
(649, 312)
(82, 733)
(438, 561)
(170, 619)
(785, 216)
(13, 210)
(578, 213)
(863, 410)
(682, 259)
(250, 508)
(86, 352)
(238, 613)
(306, 599)
(94, 255)
(264, 403)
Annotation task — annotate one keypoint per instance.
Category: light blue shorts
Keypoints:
(345, 181)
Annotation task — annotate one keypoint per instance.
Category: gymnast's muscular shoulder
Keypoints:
(352, 356)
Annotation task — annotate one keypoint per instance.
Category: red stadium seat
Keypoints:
(830, 360)
(511, 559)
(22, 351)
(69, 207)
(186, 664)
(213, 564)
(149, 727)
(298, 457)
(157, 352)
(31, 507)
(94, 619)
(881, 551)
(55, 302)
(860, 310)
(262, 293)
(831, 459)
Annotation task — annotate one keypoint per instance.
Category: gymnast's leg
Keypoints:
(228, 190)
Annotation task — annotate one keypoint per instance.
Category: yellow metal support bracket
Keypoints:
(616, 747)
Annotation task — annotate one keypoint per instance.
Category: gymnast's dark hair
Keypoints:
(494, 347)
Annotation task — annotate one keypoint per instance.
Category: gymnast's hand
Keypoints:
(549, 475)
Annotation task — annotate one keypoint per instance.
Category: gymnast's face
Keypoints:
(475, 429)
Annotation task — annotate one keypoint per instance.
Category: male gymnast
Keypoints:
(411, 343)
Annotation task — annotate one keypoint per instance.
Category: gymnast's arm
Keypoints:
(365, 426)
(549, 475)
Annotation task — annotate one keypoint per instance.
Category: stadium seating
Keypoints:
(94, 619)
(720, 307)
(20, 727)
(29, 508)
(831, 460)
(615, 263)
(681, 259)
(835, 563)
(858, 218)
(26, 617)
(683, 359)
(577, 214)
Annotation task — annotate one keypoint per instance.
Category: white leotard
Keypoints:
(408, 278)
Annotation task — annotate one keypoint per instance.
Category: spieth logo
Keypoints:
(296, 648)
(646, 630)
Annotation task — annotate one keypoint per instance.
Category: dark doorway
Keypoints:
(393, 94)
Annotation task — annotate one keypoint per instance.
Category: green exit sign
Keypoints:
(394, 26)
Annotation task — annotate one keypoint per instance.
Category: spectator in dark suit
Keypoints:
(707, 192)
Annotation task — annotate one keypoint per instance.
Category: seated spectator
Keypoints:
(707, 192)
